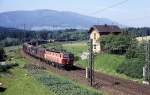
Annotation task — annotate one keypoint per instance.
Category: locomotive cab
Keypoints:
(67, 58)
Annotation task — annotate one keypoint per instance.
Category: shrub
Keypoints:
(2, 55)
(9, 42)
(132, 68)
(116, 44)
(135, 60)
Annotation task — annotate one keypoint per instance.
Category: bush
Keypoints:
(135, 51)
(2, 55)
(9, 42)
(76, 58)
(135, 60)
(116, 44)
(132, 68)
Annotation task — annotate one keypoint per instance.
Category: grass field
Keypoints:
(106, 63)
(18, 82)
(21, 84)
(76, 47)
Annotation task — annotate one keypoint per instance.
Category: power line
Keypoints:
(109, 7)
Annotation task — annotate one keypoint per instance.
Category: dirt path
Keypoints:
(103, 82)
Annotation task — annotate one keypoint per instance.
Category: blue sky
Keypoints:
(131, 13)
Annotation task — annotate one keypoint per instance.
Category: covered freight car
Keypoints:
(41, 53)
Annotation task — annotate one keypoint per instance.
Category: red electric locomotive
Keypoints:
(59, 58)
(56, 58)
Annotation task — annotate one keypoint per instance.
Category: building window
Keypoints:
(94, 46)
(94, 36)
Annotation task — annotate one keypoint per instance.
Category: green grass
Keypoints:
(86, 87)
(59, 84)
(103, 62)
(19, 82)
(76, 47)
(56, 45)
(22, 84)
(106, 63)
(14, 56)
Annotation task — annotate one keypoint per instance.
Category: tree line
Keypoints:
(11, 36)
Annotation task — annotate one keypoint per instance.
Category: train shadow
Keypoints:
(2, 89)
(74, 68)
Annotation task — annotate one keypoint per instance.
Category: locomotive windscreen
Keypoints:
(67, 55)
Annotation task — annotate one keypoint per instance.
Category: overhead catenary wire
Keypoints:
(109, 7)
(115, 5)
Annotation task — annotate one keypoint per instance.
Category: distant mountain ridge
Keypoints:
(49, 19)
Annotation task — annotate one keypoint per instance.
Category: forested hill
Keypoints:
(40, 19)
(4, 29)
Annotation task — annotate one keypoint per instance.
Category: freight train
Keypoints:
(56, 58)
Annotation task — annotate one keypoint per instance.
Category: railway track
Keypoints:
(106, 83)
